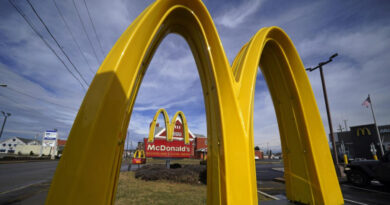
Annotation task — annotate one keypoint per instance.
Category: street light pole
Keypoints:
(5, 120)
(327, 106)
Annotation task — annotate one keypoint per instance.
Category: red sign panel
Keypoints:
(163, 148)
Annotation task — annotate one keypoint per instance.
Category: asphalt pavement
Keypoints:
(28, 183)
(16, 175)
(25, 182)
(265, 174)
(375, 193)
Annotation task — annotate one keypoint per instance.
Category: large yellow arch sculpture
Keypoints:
(88, 171)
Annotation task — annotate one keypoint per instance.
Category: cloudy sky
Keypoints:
(45, 84)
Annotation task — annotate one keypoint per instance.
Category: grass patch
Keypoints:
(135, 191)
(269, 161)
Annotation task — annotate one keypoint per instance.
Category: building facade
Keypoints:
(24, 146)
(13, 144)
(358, 141)
(200, 147)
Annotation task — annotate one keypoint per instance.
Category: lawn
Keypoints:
(135, 191)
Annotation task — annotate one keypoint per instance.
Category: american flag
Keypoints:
(367, 102)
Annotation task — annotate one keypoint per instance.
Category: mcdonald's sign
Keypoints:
(174, 141)
(363, 131)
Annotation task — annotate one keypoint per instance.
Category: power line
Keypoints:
(24, 106)
(45, 42)
(55, 40)
(94, 29)
(72, 35)
(85, 31)
(40, 99)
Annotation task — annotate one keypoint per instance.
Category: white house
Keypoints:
(23, 146)
(12, 144)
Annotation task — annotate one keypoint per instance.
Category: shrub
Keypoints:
(190, 174)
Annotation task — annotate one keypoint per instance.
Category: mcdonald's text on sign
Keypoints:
(166, 149)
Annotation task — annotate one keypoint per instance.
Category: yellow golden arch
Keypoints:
(363, 131)
(169, 126)
(89, 169)
(139, 154)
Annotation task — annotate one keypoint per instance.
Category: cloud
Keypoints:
(360, 69)
(236, 15)
(358, 31)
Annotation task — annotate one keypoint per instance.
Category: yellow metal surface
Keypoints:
(88, 170)
(375, 157)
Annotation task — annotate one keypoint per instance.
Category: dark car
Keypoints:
(362, 172)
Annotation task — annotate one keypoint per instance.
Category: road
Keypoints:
(16, 175)
(265, 175)
(374, 194)
(23, 181)
(28, 183)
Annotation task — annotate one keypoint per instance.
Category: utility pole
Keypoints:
(327, 107)
(127, 145)
(6, 115)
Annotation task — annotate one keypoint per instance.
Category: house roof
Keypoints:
(199, 135)
(162, 134)
(24, 140)
(61, 142)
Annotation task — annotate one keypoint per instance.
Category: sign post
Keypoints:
(50, 140)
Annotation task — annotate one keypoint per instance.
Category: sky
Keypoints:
(44, 92)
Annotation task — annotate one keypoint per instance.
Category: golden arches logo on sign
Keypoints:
(363, 131)
(169, 126)
(89, 168)
(139, 154)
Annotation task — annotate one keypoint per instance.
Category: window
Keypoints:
(14, 145)
(4, 145)
(14, 140)
(9, 145)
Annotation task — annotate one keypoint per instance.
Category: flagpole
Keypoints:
(376, 126)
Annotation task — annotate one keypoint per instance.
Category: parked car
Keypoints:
(361, 173)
